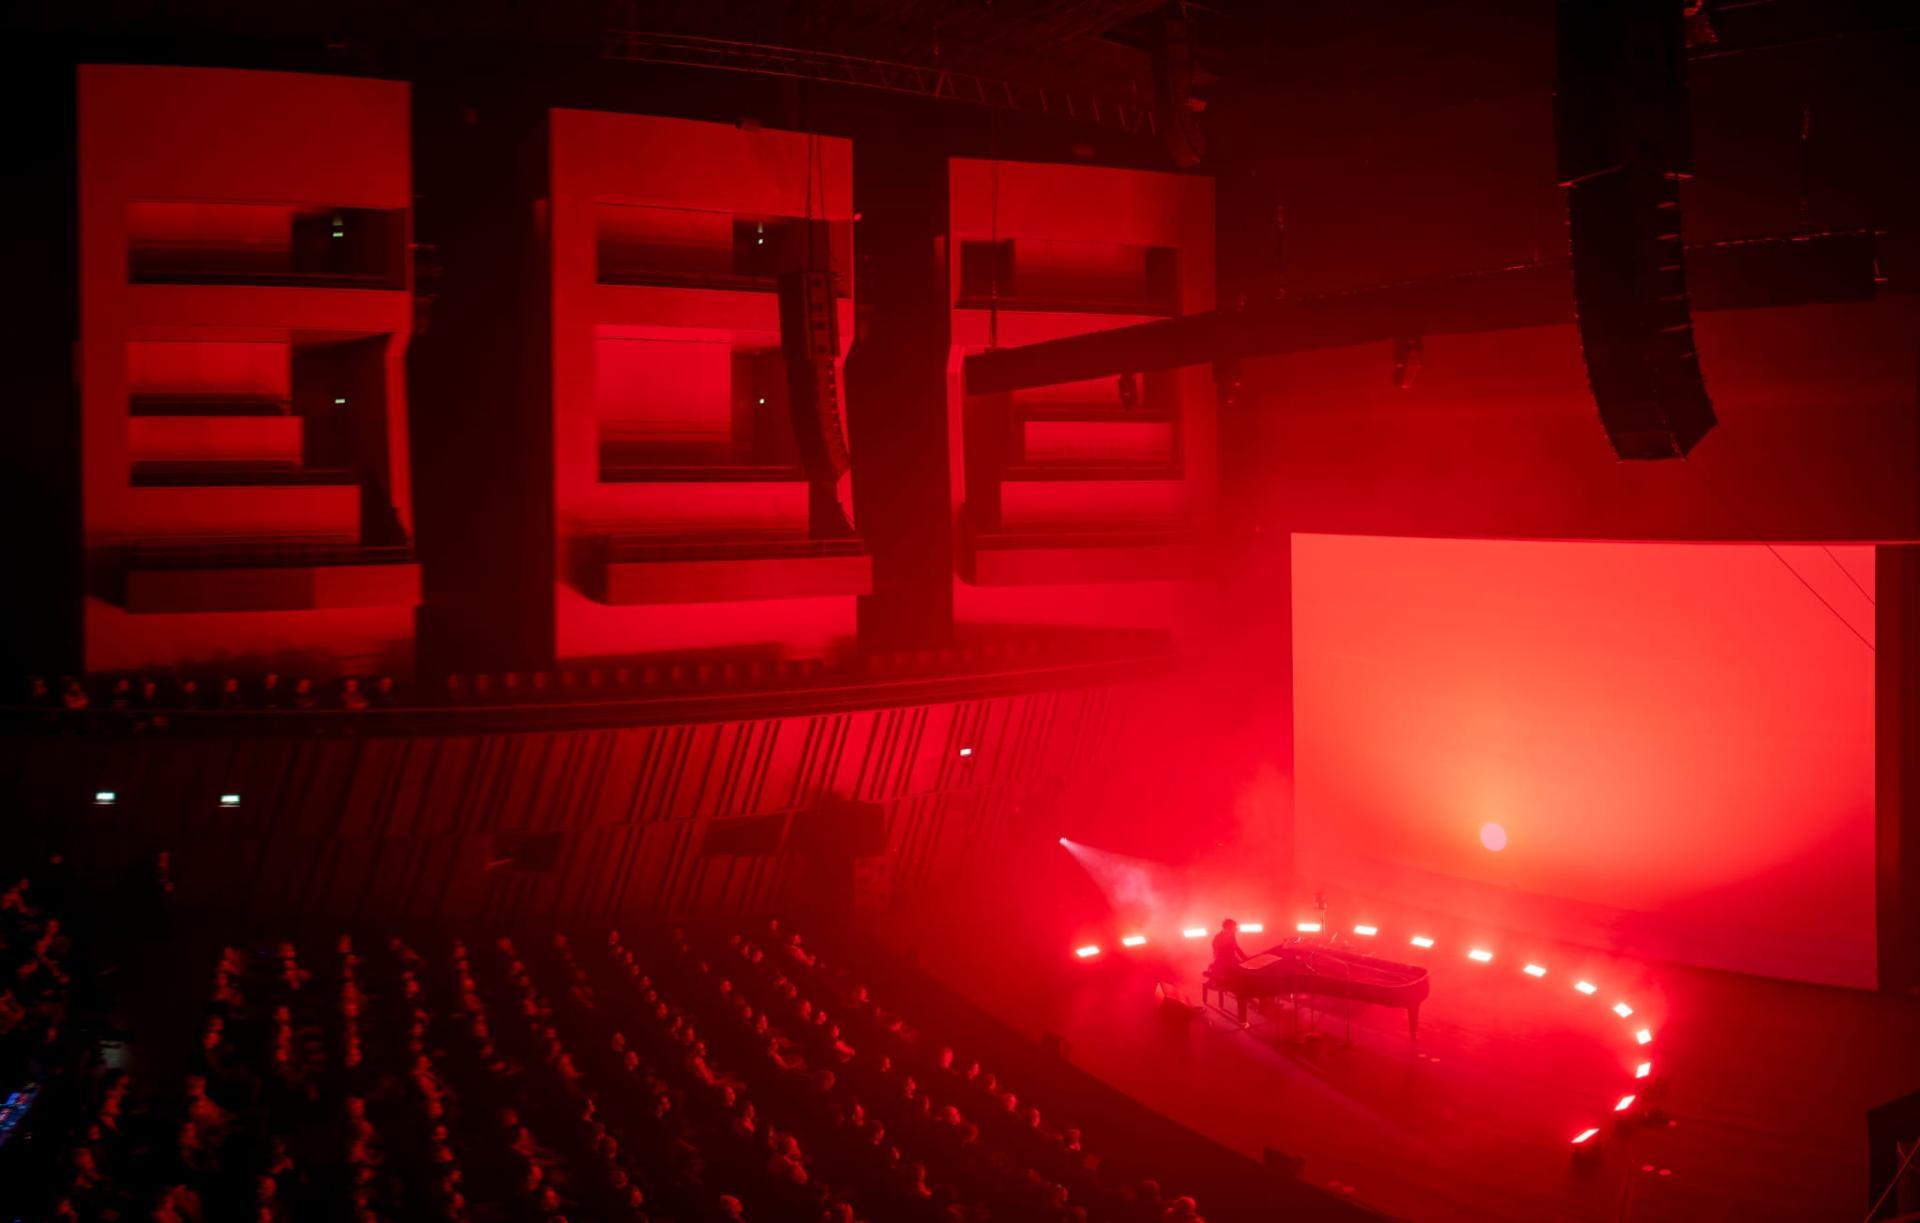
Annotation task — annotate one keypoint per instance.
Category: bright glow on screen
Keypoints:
(1596, 713)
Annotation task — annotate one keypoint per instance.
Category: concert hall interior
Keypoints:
(962, 611)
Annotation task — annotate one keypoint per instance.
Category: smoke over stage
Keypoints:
(1545, 1080)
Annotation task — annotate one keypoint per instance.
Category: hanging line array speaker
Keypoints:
(1621, 127)
(810, 341)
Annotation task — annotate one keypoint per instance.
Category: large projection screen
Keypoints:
(1676, 739)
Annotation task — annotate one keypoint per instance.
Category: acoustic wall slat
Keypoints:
(839, 727)
(412, 778)
(522, 794)
(742, 756)
(364, 811)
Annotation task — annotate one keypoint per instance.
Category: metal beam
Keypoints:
(937, 84)
(1725, 276)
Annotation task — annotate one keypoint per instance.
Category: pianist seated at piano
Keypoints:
(1298, 969)
(1227, 958)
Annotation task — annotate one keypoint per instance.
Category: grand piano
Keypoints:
(1296, 968)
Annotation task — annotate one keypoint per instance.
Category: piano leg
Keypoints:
(1413, 1021)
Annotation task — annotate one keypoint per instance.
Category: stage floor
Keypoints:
(1764, 1116)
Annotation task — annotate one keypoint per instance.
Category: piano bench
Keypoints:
(1213, 993)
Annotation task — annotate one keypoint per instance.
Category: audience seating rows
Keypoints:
(714, 1076)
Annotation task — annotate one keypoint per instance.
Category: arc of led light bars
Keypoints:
(1642, 1036)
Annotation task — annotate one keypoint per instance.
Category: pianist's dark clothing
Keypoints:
(1226, 952)
(1226, 968)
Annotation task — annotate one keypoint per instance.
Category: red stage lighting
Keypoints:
(1622, 1009)
(1585, 1135)
(1365, 931)
(1307, 927)
(1252, 927)
(1644, 1036)
(1586, 987)
(1534, 970)
(1493, 837)
(1643, 1070)
(1194, 932)
(1421, 940)
(1134, 940)
(1087, 952)
(1626, 1102)
(1484, 957)
(966, 751)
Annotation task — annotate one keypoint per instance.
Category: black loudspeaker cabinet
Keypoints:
(1621, 126)
(810, 341)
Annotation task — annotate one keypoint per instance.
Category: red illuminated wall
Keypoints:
(1080, 462)
(194, 304)
(650, 323)
(1677, 740)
